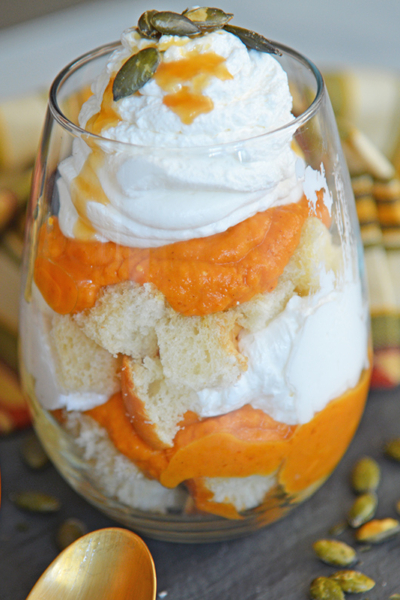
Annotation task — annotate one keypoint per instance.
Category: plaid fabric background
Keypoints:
(367, 107)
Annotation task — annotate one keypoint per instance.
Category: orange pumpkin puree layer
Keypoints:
(242, 443)
(312, 453)
(198, 277)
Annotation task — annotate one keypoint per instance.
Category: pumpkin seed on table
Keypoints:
(363, 509)
(252, 40)
(171, 23)
(34, 501)
(392, 449)
(394, 597)
(135, 73)
(32, 453)
(377, 531)
(145, 26)
(338, 528)
(323, 588)
(353, 582)
(208, 19)
(69, 531)
(366, 475)
(335, 553)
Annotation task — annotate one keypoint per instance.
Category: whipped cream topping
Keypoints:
(255, 100)
(165, 184)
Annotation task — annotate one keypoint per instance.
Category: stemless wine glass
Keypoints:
(128, 354)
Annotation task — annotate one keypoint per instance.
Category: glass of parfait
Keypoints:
(194, 321)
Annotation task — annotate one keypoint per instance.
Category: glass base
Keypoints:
(172, 526)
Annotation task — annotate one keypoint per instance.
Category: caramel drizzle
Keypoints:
(185, 81)
(86, 187)
(107, 116)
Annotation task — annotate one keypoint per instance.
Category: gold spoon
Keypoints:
(108, 564)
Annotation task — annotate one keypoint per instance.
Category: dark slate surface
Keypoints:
(276, 563)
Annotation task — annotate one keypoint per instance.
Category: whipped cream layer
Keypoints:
(310, 354)
(163, 182)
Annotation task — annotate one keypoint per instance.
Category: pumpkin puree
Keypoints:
(197, 277)
(241, 443)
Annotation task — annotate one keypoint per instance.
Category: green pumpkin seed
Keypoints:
(392, 449)
(353, 582)
(377, 531)
(252, 40)
(171, 23)
(144, 24)
(33, 501)
(365, 548)
(323, 588)
(366, 475)
(339, 528)
(135, 72)
(335, 553)
(363, 509)
(69, 531)
(208, 19)
(394, 597)
(32, 453)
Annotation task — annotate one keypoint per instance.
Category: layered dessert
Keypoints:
(197, 322)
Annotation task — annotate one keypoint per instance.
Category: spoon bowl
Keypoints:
(107, 564)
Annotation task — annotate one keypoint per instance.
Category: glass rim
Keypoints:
(100, 51)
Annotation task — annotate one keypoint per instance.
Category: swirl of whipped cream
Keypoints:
(172, 181)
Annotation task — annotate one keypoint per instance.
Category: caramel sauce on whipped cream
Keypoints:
(186, 79)
(86, 187)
